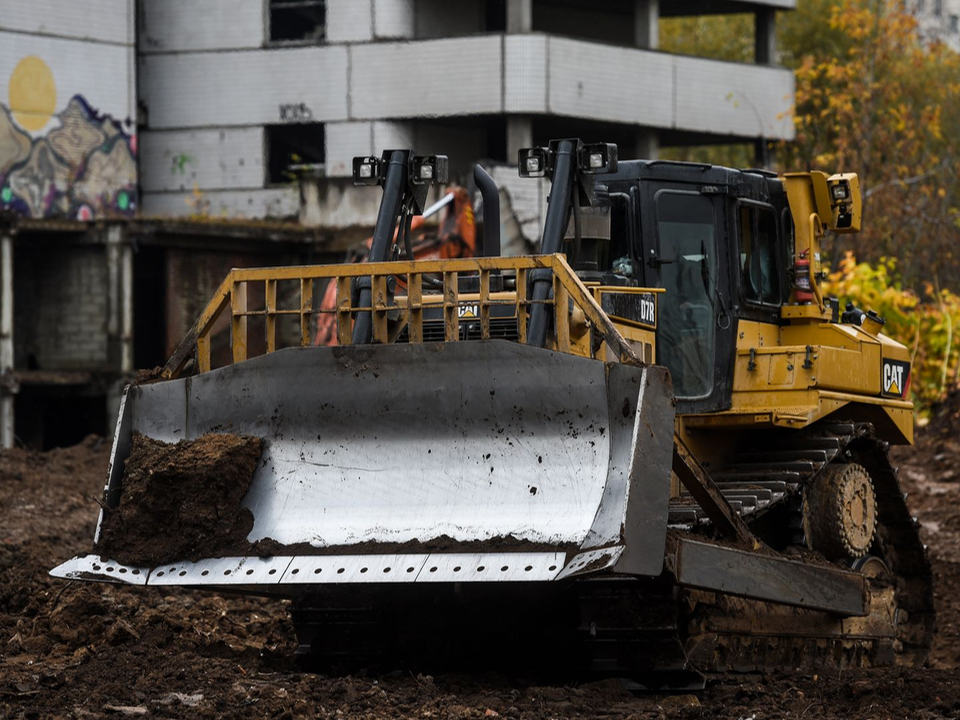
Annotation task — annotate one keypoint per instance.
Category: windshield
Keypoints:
(687, 251)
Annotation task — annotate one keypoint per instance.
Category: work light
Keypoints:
(430, 170)
(532, 162)
(596, 158)
(366, 170)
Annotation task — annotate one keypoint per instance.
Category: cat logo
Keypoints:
(468, 311)
(896, 378)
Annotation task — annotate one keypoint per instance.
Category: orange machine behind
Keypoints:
(456, 238)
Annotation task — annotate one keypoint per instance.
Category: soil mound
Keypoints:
(182, 501)
(83, 650)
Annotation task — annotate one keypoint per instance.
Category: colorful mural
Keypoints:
(77, 163)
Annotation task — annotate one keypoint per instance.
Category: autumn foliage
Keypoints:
(874, 97)
(926, 321)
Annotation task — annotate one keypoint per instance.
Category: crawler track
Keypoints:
(724, 633)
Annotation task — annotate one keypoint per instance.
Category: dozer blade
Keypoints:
(463, 461)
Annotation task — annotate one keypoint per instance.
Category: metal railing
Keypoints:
(232, 294)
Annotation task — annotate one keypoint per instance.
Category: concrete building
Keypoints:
(232, 92)
(939, 20)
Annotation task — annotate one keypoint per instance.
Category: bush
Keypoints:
(924, 324)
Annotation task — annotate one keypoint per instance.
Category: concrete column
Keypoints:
(519, 16)
(6, 340)
(112, 239)
(120, 298)
(519, 135)
(126, 308)
(647, 145)
(647, 24)
(766, 37)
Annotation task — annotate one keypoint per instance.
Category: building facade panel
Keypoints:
(276, 202)
(68, 143)
(394, 19)
(109, 21)
(244, 88)
(450, 77)
(349, 20)
(184, 25)
(525, 73)
(179, 160)
(588, 80)
(735, 99)
(345, 140)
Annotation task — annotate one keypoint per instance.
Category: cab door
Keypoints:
(685, 233)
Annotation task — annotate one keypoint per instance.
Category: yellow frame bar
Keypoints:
(232, 293)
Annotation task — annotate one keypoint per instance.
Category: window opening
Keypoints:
(291, 146)
(759, 270)
(298, 20)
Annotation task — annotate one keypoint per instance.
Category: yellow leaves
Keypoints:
(919, 322)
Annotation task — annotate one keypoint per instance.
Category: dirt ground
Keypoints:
(84, 650)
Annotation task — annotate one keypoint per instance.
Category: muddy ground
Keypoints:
(84, 650)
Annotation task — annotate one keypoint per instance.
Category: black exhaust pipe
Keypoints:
(491, 212)
(393, 186)
(554, 228)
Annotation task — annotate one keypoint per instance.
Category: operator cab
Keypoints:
(718, 240)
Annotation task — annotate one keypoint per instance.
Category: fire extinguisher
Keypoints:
(801, 278)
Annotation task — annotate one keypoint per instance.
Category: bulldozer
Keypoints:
(656, 449)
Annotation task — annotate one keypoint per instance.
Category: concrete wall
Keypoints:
(68, 108)
(68, 329)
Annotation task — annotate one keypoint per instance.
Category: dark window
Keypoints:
(687, 249)
(759, 269)
(291, 147)
(954, 23)
(298, 20)
(938, 7)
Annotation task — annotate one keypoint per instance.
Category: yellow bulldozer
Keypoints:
(656, 449)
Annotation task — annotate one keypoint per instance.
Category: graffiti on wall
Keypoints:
(77, 163)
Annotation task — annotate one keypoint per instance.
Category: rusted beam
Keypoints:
(705, 491)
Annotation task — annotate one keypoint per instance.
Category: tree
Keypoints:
(874, 98)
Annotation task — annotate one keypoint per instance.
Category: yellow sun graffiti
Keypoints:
(33, 93)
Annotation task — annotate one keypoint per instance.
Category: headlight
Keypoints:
(840, 191)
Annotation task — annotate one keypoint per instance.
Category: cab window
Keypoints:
(759, 267)
(688, 272)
